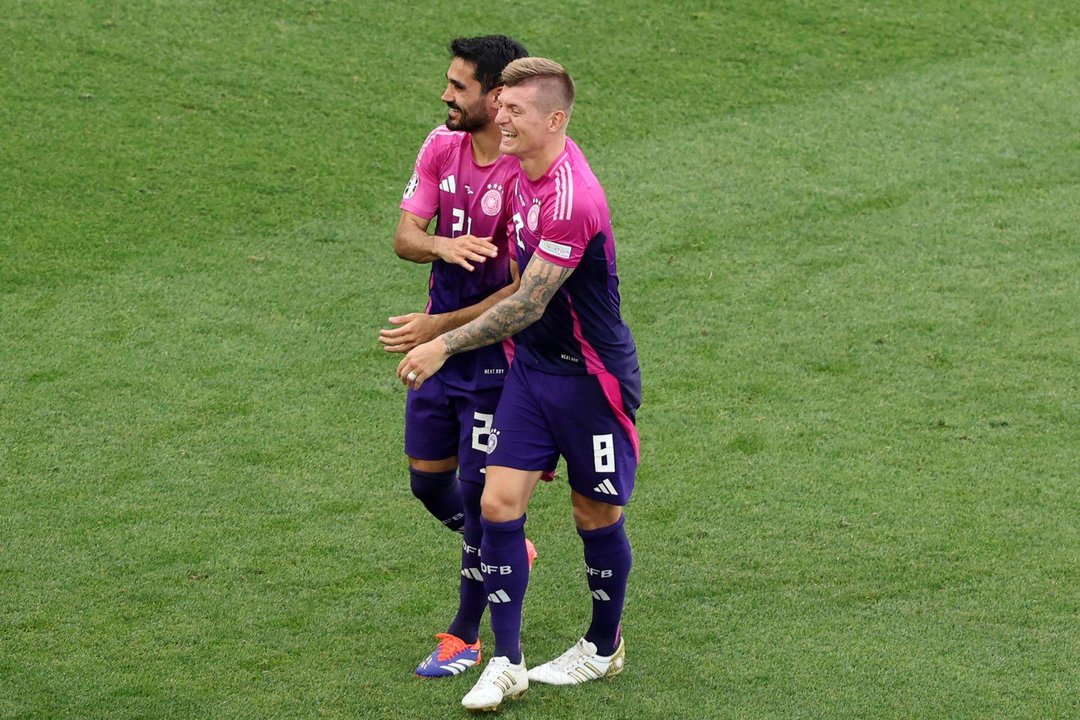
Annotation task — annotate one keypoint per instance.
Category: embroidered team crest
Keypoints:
(410, 189)
(533, 218)
(491, 203)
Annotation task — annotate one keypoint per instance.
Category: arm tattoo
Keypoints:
(539, 283)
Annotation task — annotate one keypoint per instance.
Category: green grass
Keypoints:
(848, 247)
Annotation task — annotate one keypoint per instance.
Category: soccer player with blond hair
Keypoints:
(573, 388)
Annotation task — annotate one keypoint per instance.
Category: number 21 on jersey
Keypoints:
(459, 223)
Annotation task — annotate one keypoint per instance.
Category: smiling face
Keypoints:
(526, 126)
(468, 104)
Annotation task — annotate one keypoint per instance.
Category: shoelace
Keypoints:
(570, 659)
(492, 671)
(449, 645)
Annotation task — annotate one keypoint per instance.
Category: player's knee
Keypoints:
(499, 507)
(592, 515)
(425, 485)
(493, 508)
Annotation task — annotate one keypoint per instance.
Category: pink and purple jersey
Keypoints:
(563, 218)
(465, 199)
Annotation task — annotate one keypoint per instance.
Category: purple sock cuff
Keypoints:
(601, 532)
(446, 476)
(508, 526)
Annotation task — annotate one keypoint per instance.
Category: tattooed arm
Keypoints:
(416, 328)
(539, 283)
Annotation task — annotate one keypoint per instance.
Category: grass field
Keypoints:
(850, 254)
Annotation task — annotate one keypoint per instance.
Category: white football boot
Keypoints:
(501, 680)
(580, 664)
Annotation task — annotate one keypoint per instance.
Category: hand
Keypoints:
(414, 328)
(465, 249)
(422, 362)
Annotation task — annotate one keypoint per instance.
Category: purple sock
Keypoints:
(607, 565)
(441, 496)
(505, 565)
(473, 599)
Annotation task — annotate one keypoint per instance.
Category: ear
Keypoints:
(556, 120)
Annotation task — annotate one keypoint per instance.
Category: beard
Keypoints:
(466, 121)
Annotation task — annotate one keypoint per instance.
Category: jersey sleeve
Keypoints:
(421, 196)
(565, 231)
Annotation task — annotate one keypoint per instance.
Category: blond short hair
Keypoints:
(555, 84)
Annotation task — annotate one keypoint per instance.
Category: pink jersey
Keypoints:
(464, 198)
(563, 218)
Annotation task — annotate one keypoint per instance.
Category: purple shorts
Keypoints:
(442, 421)
(581, 417)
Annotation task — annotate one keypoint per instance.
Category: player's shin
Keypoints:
(607, 566)
(505, 565)
(473, 599)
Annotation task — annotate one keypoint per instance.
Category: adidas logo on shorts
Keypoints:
(605, 488)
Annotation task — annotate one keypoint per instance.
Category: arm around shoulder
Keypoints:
(537, 285)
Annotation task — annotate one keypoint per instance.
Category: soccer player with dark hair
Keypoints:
(573, 389)
(459, 182)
